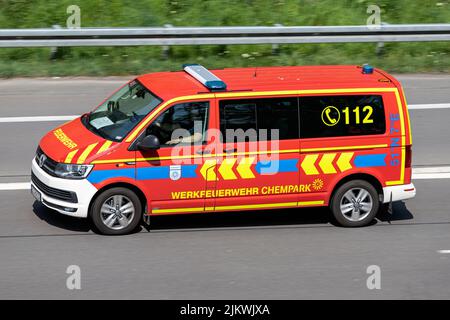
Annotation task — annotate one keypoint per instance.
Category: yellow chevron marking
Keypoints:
(244, 166)
(343, 162)
(86, 153)
(308, 164)
(70, 156)
(105, 146)
(226, 169)
(207, 170)
(326, 163)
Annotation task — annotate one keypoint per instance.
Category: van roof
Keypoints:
(168, 85)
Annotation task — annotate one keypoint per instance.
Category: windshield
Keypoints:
(119, 114)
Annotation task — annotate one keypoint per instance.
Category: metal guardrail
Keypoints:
(221, 35)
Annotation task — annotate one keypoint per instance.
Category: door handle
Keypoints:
(230, 150)
(128, 163)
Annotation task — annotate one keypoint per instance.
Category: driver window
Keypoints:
(184, 123)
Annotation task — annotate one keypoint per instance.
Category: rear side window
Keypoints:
(261, 116)
(237, 114)
(334, 116)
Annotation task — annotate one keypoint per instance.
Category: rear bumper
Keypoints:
(397, 193)
(83, 189)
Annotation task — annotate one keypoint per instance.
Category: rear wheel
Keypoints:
(116, 211)
(355, 203)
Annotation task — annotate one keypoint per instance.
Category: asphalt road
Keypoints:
(290, 254)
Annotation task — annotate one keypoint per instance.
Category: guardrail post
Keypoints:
(166, 49)
(54, 50)
(276, 47)
(380, 45)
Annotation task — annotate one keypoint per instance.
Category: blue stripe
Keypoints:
(189, 171)
(149, 173)
(98, 176)
(370, 160)
(276, 166)
(152, 173)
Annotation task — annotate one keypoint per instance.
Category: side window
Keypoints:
(184, 123)
(260, 119)
(279, 114)
(333, 116)
(238, 120)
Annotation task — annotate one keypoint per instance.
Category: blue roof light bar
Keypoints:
(205, 77)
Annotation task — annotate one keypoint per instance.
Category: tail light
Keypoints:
(408, 156)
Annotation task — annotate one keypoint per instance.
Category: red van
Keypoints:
(196, 141)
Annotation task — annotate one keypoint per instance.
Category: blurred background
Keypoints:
(104, 61)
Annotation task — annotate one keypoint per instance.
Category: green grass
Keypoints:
(101, 61)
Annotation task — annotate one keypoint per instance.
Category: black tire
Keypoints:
(98, 217)
(367, 216)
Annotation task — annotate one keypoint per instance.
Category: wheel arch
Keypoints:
(374, 181)
(126, 185)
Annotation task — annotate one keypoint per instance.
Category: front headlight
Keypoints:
(73, 171)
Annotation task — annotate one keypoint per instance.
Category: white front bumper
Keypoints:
(83, 189)
(397, 193)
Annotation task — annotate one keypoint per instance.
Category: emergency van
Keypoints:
(201, 141)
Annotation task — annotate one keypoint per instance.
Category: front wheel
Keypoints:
(355, 204)
(116, 211)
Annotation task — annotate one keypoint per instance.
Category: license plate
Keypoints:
(36, 194)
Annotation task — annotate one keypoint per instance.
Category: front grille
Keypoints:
(49, 165)
(62, 195)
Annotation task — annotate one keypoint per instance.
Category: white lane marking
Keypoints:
(67, 118)
(14, 186)
(429, 106)
(431, 169)
(423, 176)
(443, 251)
(36, 119)
(417, 174)
(431, 173)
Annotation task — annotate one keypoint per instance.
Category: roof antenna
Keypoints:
(256, 69)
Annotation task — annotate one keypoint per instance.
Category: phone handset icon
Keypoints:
(330, 119)
(331, 116)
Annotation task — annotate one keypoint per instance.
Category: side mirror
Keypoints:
(150, 142)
